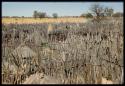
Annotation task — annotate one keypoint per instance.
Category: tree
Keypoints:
(83, 15)
(97, 9)
(42, 15)
(111, 11)
(35, 14)
(108, 11)
(39, 14)
(118, 14)
(55, 15)
(6, 16)
(89, 15)
(15, 16)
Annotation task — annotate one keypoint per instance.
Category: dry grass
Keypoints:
(91, 51)
(44, 20)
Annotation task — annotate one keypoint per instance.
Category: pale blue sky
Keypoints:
(61, 8)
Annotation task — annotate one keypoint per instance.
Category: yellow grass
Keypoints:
(50, 28)
(43, 20)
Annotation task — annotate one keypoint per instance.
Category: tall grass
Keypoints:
(91, 51)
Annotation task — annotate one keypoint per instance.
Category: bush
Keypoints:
(82, 15)
(55, 15)
(89, 15)
(118, 14)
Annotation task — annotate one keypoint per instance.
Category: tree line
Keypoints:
(37, 14)
(101, 11)
(95, 10)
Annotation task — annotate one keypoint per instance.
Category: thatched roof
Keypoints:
(23, 51)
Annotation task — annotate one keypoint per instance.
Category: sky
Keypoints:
(61, 8)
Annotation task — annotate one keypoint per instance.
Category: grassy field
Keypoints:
(74, 52)
(43, 20)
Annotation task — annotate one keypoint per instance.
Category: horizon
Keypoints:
(26, 9)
